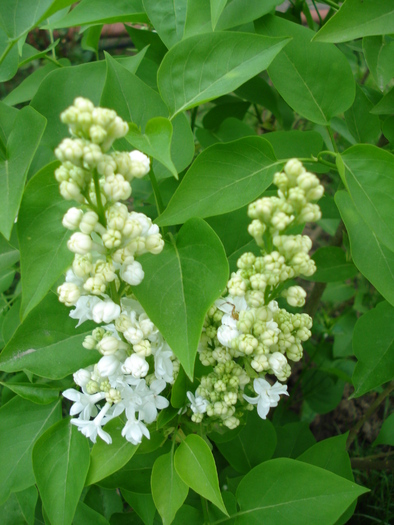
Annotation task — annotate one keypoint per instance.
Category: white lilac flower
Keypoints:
(197, 403)
(267, 396)
(108, 366)
(134, 430)
(136, 366)
(92, 429)
(82, 377)
(152, 401)
(105, 311)
(84, 404)
(164, 368)
(83, 308)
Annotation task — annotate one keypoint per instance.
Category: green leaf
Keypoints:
(180, 285)
(21, 423)
(331, 266)
(37, 393)
(106, 459)
(386, 434)
(20, 507)
(6, 279)
(21, 146)
(47, 343)
(294, 143)
(103, 12)
(378, 52)
(9, 65)
(196, 467)
(142, 505)
(322, 391)
(168, 18)
(374, 260)
(42, 237)
(364, 126)
(386, 105)
(189, 515)
(18, 18)
(314, 79)
(245, 451)
(236, 13)
(232, 229)
(198, 18)
(258, 91)
(85, 515)
(230, 129)
(156, 142)
(374, 331)
(7, 119)
(135, 476)
(168, 490)
(142, 38)
(204, 67)
(301, 491)
(104, 501)
(293, 439)
(60, 87)
(63, 452)
(223, 178)
(330, 454)
(356, 19)
(343, 334)
(369, 174)
(232, 109)
(129, 96)
(217, 7)
(26, 90)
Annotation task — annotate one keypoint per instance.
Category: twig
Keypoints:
(371, 410)
(367, 464)
(318, 288)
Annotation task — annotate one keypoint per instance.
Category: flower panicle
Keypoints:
(246, 335)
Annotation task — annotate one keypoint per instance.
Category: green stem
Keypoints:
(193, 118)
(204, 504)
(332, 4)
(334, 144)
(317, 11)
(114, 294)
(156, 192)
(52, 41)
(10, 45)
(100, 207)
(51, 59)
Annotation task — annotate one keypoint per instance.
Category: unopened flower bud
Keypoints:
(72, 218)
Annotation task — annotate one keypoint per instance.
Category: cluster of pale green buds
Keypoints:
(94, 130)
(135, 362)
(246, 335)
(107, 237)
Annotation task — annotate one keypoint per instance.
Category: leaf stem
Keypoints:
(334, 144)
(204, 504)
(371, 410)
(10, 45)
(156, 192)
(193, 118)
(331, 3)
(52, 41)
(317, 11)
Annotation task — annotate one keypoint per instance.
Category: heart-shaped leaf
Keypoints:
(180, 285)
